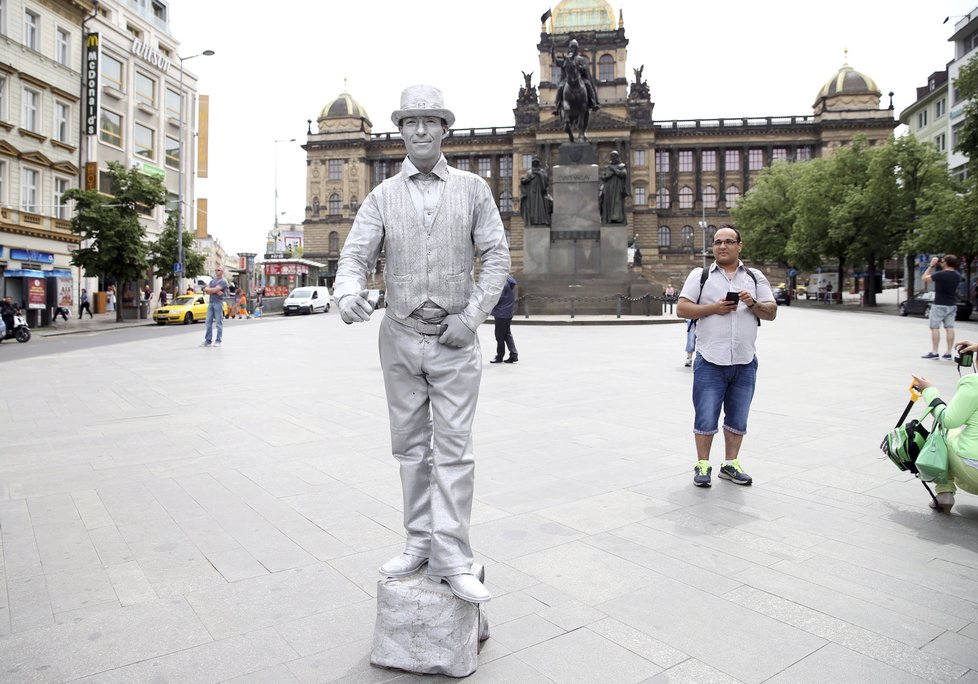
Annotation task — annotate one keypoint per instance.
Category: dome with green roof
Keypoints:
(583, 15)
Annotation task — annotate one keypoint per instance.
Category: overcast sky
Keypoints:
(278, 64)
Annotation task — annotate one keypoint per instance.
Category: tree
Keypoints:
(110, 227)
(921, 173)
(947, 224)
(766, 215)
(812, 241)
(163, 253)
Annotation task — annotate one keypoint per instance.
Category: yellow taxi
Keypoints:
(185, 309)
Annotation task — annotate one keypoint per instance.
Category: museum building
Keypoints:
(685, 175)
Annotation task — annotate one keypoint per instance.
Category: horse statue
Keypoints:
(574, 110)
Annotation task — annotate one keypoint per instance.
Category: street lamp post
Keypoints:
(277, 141)
(178, 285)
(704, 226)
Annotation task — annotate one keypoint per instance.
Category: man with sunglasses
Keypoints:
(727, 302)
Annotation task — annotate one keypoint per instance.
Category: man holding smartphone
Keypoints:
(727, 302)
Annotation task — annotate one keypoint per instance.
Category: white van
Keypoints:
(307, 300)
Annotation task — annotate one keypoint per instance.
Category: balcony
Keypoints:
(13, 220)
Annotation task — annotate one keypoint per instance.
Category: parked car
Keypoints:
(306, 300)
(185, 309)
(920, 306)
(780, 294)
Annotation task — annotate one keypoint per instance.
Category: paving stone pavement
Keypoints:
(176, 514)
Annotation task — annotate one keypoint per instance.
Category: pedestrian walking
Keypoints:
(502, 319)
(259, 303)
(215, 307)
(85, 305)
(431, 219)
(163, 296)
(727, 305)
(110, 299)
(669, 296)
(243, 306)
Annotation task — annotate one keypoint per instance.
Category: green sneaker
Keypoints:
(731, 470)
(701, 474)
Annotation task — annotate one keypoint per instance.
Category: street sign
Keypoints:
(178, 267)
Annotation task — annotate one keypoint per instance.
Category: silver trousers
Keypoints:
(432, 390)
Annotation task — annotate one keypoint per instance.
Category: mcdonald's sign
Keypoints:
(92, 89)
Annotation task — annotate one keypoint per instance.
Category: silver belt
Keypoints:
(421, 327)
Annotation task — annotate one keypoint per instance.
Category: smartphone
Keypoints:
(373, 296)
(733, 297)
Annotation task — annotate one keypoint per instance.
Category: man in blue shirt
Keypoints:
(945, 306)
(215, 307)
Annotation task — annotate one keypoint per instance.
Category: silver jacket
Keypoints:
(435, 264)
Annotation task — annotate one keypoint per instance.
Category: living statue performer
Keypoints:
(614, 190)
(431, 219)
(572, 60)
(535, 200)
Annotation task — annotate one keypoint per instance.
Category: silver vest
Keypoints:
(423, 265)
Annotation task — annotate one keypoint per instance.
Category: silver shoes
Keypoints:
(402, 566)
(466, 586)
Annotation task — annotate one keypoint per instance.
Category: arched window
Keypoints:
(505, 201)
(710, 197)
(733, 196)
(334, 242)
(665, 236)
(663, 201)
(335, 204)
(687, 236)
(606, 68)
(685, 197)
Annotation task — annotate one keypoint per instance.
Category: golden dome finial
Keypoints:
(621, 19)
(845, 55)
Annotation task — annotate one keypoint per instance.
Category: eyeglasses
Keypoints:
(728, 242)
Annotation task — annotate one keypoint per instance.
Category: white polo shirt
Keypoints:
(726, 340)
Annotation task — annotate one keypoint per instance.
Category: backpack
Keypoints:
(902, 444)
(706, 274)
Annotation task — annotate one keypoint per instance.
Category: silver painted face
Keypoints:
(422, 138)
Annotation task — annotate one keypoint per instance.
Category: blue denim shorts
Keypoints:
(730, 387)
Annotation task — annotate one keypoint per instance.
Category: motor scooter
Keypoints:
(20, 331)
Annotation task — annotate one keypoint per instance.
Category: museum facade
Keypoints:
(685, 175)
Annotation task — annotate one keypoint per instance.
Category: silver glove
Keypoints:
(458, 334)
(354, 308)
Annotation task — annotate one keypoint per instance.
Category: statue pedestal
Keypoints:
(423, 627)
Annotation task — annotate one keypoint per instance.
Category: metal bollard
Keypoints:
(572, 301)
(618, 308)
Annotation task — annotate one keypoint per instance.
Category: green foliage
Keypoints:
(855, 208)
(766, 214)
(163, 253)
(948, 220)
(110, 228)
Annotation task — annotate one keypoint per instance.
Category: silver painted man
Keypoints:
(432, 221)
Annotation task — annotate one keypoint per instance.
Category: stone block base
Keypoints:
(423, 627)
